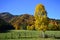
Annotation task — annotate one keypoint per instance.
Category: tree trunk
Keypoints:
(43, 34)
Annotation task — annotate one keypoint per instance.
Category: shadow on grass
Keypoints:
(6, 28)
(52, 36)
(4, 31)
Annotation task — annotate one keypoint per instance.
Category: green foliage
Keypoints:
(53, 25)
(5, 26)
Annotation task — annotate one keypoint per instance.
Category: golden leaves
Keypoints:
(40, 17)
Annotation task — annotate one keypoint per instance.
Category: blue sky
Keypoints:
(18, 7)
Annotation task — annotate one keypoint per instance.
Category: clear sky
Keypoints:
(18, 7)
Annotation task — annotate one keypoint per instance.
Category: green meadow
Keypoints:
(29, 35)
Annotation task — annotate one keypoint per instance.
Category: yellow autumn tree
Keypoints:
(30, 27)
(40, 15)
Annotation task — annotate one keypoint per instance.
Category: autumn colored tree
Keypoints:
(52, 25)
(23, 21)
(40, 17)
(30, 27)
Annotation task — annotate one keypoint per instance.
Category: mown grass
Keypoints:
(28, 35)
(32, 39)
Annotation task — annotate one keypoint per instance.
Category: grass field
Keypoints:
(28, 35)
(32, 39)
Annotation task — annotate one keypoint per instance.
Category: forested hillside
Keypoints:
(6, 16)
(22, 21)
(4, 26)
(38, 21)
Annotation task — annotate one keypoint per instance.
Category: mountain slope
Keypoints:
(5, 26)
(23, 21)
(6, 16)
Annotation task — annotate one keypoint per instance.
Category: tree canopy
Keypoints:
(40, 17)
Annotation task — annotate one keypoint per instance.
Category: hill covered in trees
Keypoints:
(38, 21)
(4, 26)
(22, 21)
(6, 16)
